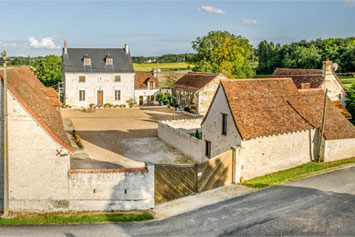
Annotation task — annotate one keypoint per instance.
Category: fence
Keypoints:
(173, 181)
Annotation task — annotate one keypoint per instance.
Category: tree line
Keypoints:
(166, 58)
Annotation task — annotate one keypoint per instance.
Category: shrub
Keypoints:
(77, 139)
(131, 102)
(350, 101)
(187, 109)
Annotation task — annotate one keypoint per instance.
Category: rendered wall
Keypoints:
(175, 133)
(105, 190)
(264, 155)
(206, 95)
(212, 126)
(98, 81)
(38, 175)
(339, 149)
(335, 89)
(145, 93)
(1, 150)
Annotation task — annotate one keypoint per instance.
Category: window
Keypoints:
(117, 95)
(87, 61)
(151, 98)
(150, 85)
(81, 78)
(81, 95)
(109, 61)
(224, 124)
(117, 78)
(208, 149)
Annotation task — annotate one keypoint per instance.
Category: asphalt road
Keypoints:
(320, 205)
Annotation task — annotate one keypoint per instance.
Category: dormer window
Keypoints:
(109, 61)
(87, 61)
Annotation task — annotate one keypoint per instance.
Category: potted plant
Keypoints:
(92, 106)
(107, 105)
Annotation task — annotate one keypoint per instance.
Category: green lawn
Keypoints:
(294, 173)
(162, 66)
(75, 218)
(347, 81)
(194, 134)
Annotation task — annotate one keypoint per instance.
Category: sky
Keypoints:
(153, 27)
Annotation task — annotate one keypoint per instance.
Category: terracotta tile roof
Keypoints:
(263, 107)
(299, 76)
(342, 109)
(141, 80)
(194, 81)
(32, 94)
(336, 125)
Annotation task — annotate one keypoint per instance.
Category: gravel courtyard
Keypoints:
(125, 137)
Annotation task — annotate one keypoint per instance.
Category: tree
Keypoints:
(48, 70)
(350, 101)
(302, 57)
(220, 51)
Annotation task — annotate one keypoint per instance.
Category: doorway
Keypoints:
(100, 97)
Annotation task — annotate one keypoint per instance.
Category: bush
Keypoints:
(77, 139)
(131, 102)
(350, 101)
(187, 109)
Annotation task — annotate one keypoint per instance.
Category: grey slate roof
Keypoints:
(73, 60)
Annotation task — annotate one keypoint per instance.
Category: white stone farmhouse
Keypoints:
(146, 88)
(273, 126)
(324, 78)
(195, 90)
(97, 76)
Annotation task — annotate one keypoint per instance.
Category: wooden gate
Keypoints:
(173, 181)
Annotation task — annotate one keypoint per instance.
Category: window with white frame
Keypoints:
(87, 61)
(81, 95)
(117, 95)
(109, 61)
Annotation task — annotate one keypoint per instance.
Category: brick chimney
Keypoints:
(327, 67)
(126, 48)
(65, 47)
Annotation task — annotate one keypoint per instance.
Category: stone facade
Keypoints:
(146, 95)
(95, 82)
(109, 191)
(335, 89)
(338, 149)
(176, 134)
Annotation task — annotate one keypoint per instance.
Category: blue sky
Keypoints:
(159, 27)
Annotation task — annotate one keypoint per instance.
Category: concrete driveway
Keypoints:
(103, 131)
(323, 205)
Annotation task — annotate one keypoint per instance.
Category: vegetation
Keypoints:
(48, 70)
(162, 66)
(166, 58)
(350, 101)
(163, 99)
(223, 52)
(131, 102)
(75, 218)
(306, 54)
(294, 173)
(78, 139)
(194, 135)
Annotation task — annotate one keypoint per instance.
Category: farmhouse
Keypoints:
(272, 126)
(195, 90)
(316, 78)
(38, 146)
(146, 87)
(97, 76)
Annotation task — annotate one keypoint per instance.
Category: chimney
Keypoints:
(154, 72)
(65, 47)
(126, 48)
(327, 67)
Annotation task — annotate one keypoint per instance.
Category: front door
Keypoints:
(100, 97)
(140, 100)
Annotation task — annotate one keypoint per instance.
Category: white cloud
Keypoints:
(7, 43)
(349, 3)
(212, 10)
(249, 22)
(44, 43)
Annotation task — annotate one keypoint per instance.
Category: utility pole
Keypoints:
(323, 124)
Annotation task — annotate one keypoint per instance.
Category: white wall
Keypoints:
(98, 81)
(1, 150)
(212, 126)
(108, 191)
(172, 132)
(206, 95)
(145, 93)
(264, 155)
(38, 176)
(335, 90)
(339, 149)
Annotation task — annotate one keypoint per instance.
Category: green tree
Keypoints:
(223, 52)
(350, 101)
(302, 57)
(48, 70)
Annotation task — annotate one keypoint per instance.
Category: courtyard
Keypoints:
(127, 138)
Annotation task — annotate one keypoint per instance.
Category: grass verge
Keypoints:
(75, 218)
(294, 173)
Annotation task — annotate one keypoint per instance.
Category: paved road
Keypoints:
(320, 205)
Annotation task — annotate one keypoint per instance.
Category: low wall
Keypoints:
(339, 149)
(175, 133)
(112, 189)
(265, 155)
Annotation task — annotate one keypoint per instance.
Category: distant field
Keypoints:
(162, 66)
(347, 81)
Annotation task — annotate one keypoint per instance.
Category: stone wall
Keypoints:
(93, 83)
(339, 149)
(1, 150)
(109, 190)
(175, 133)
(264, 155)
(145, 93)
(206, 95)
(335, 89)
(212, 126)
